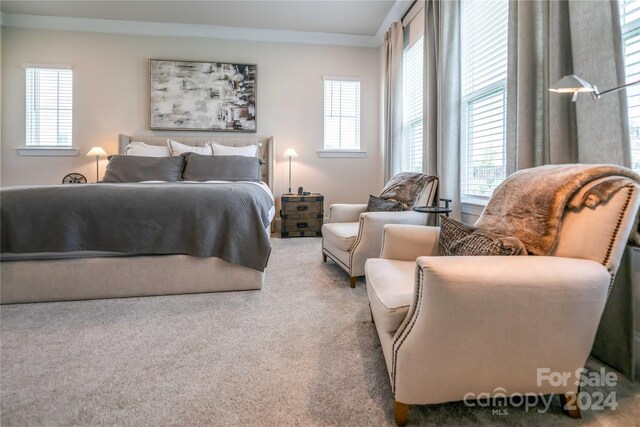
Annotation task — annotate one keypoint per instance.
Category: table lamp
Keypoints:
(97, 152)
(290, 153)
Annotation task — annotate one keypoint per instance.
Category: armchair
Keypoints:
(451, 328)
(352, 235)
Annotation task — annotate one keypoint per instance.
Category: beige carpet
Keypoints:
(302, 351)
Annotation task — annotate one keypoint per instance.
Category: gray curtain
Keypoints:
(547, 40)
(540, 125)
(442, 97)
(393, 43)
(603, 131)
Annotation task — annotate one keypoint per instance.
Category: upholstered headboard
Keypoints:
(266, 152)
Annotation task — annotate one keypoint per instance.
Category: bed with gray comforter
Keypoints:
(229, 221)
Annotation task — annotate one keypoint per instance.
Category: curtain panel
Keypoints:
(548, 40)
(392, 99)
(442, 109)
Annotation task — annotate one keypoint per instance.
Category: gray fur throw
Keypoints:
(410, 189)
(530, 203)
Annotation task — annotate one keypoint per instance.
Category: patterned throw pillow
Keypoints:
(376, 204)
(458, 239)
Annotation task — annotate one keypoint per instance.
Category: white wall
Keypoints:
(111, 97)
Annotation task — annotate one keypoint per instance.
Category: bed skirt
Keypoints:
(116, 277)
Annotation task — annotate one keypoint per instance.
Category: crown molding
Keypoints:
(189, 30)
(395, 14)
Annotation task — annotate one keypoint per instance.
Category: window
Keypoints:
(630, 21)
(484, 95)
(341, 114)
(412, 96)
(49, 116)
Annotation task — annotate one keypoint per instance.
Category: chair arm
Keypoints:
(340, 212)
(484, 322)
(408, 242)
(369, 241)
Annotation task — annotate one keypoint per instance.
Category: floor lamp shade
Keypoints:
(290, 153)
(97, 152)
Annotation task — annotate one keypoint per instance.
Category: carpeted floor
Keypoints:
(302, 351)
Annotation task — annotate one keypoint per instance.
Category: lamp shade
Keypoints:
(290, 153)
(97, 152)
(572, 84)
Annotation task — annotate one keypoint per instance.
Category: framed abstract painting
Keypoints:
(193, 95)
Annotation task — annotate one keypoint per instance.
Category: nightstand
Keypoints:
(302, 216)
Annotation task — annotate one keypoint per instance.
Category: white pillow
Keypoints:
(177, 148)
(137, 148)
(225, 150)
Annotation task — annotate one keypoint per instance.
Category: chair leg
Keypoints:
(570, 399)
(353, 280)
(324, 257)
(402, 413)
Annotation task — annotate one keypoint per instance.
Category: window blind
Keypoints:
(484, 72)
(630, 21)
(49, 115)
(341, 114)
(412, 119)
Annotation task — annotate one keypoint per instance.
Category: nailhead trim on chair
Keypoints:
(616, 230)
(355, 245)
(406, 329)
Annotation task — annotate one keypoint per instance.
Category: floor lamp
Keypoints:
(574, 84)
(97, 152)
(290, 153)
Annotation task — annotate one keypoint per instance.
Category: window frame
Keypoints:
(48, 150)
(347, 151)
(630, 30)
(466, 99)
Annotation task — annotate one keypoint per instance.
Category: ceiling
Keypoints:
(354, 17)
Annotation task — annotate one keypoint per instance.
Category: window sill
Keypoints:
(342, 154)
(473, 205)
(48, 151)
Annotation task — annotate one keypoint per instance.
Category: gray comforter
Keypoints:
(225, 220)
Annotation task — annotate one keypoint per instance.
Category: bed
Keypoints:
(40, 277)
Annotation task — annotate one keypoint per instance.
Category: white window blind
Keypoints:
(484, 73)
(630, 20)
(49, 117)
(341, 114)
(412, 69)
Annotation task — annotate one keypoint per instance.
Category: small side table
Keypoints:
(437, 209)
(302, 215)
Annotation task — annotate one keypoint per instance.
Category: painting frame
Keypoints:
(178, 98)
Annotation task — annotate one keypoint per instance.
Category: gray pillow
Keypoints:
(376, 204)
(142, 168)
(459, 239)
(221, 168)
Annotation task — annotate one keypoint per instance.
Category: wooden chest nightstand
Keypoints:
(302, 216)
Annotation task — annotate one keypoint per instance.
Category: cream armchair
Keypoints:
(451, 328)
(352, 235)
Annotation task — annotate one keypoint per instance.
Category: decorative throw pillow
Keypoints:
(137, 148)
(143, 168)
(461, 239)
(221, 168)
(376, 204)
(409, 188)
(227, 150)
(177, 148)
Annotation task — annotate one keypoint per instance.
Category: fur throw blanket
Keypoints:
(530, 203)
(410, 189)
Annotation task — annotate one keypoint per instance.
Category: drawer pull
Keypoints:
(302, 225)
(303, 208)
